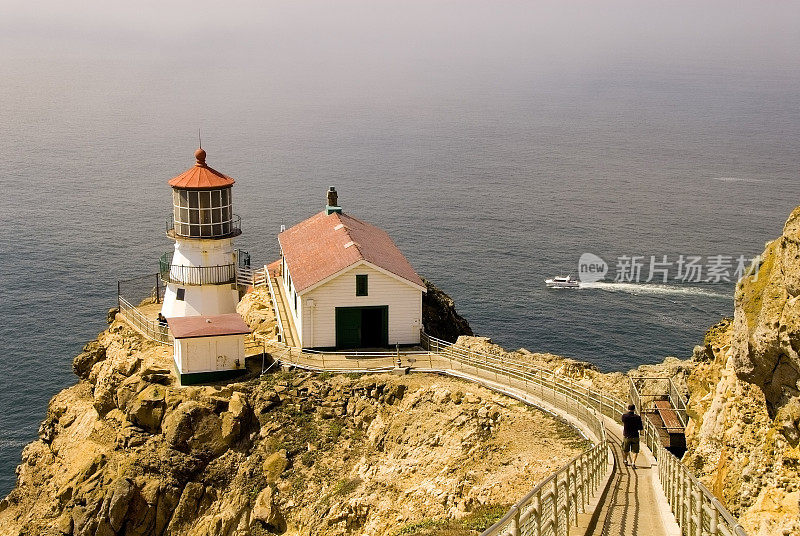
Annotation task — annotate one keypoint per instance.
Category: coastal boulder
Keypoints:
(147, 408)
(94, 352)
(439, 316)
(267, 512)
(274, 465)
(118, 499)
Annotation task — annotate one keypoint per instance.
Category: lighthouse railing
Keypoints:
(151, 329)
(195, 275)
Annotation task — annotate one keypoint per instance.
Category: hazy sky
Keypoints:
(411, 35)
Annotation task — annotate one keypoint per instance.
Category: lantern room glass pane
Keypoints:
(205, 216)
(184, 198)
(217, 215)
(205, 199)
(193, 201)
(225, 197)
(194, 216)
(215, 202)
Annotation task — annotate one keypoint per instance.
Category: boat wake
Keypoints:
(655, 289)
(736, 179)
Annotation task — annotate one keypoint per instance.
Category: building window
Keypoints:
(362, 285)
(180, 294)
(295, 302)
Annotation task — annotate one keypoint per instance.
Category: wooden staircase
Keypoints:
(285, 320)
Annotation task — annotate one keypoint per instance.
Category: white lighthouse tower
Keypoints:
(200, 276)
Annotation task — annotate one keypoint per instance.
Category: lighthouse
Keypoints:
(200, 276)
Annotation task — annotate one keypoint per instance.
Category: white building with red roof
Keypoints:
(346, 284)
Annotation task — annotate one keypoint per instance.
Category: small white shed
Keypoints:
(208, 348)
(347, 285)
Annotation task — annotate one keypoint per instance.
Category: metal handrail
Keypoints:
(675, 398)
(345, 353)
(222, 274)
(696, 509)
(149, 328)
(554, 503)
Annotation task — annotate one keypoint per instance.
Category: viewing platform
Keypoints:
(195, 275)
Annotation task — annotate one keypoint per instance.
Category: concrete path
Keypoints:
(633, 502)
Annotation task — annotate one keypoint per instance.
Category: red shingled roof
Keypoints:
(186, 327)
(324, 245)
(201, 177)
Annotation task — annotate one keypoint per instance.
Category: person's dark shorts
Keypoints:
(630, 444)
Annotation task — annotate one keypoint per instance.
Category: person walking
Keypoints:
(631, 425)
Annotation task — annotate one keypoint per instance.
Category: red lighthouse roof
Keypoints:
(201, 177)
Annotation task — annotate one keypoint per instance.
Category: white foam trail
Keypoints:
(654, 289)
(735, 179)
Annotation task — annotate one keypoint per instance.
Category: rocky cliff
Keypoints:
(745, 397)
(125, 451)
(439, 316)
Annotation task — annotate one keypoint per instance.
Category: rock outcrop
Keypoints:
(743, 437)
(125, 451)
(439, 316)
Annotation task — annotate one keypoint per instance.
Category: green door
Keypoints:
(362, 327)
(348, 327)
(374, 327)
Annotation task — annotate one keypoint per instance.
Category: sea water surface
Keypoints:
(495, 142)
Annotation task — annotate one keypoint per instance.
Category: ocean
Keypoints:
(496, 143)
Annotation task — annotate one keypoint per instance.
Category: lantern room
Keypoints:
(202, 203)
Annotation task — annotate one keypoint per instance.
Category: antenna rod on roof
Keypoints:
(199, 139)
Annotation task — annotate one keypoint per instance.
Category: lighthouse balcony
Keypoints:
(195, 275)
(204, 225)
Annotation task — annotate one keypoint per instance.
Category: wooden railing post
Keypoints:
(515, 523)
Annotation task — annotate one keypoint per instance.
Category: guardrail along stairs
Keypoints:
(593, 494)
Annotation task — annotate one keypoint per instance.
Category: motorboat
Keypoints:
(563, 282)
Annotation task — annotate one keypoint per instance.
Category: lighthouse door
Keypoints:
(243, 258)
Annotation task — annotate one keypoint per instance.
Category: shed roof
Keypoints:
(200, 176)
(186, 327)
(326, 244)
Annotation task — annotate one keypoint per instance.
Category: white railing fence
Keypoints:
(554, 503)
(249, 277)
(147, 327)
(696, 509)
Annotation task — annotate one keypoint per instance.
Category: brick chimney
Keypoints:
(333, 202)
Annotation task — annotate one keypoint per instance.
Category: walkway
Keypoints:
(628, 502)
(633, 502)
